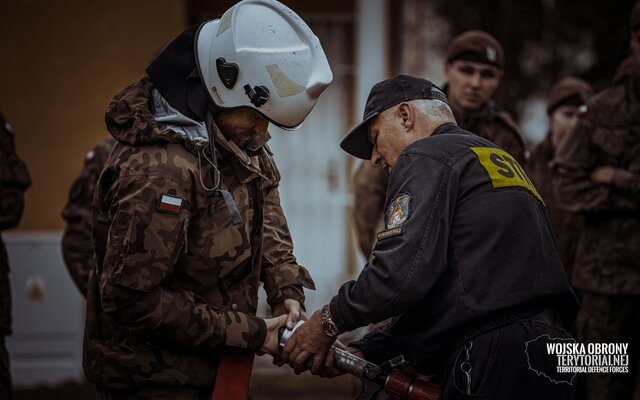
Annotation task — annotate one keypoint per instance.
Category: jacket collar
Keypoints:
(448, 127)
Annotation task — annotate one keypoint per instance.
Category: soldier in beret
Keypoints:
(567, 99)
(597, 172)
(474, 66)
(14, 180)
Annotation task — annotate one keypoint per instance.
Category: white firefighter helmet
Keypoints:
(260, 54)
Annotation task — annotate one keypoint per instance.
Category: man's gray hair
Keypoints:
(434, 110)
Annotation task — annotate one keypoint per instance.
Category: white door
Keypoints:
(315, 171)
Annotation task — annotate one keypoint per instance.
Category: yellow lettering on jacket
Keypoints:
(504, 170)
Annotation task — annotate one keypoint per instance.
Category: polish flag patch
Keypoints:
(170, 204)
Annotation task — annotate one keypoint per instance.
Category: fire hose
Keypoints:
(390, 376)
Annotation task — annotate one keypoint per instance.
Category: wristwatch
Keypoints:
(328, 326)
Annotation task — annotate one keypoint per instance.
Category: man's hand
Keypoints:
(308, 344)
(603, 174)
(293, 309)
(270, 345)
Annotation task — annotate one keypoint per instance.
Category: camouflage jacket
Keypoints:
(496, 126)
(607, 135)
(370, 183)
(77, 246)
(175, 282)
(370, 190)
(566, 225)
(14, 179)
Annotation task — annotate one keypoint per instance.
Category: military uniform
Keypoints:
(487, 121)
(606, 269)
(77, 247)
(496, 126)
(566, 226)
(468, 269)
(178, 269)
(370, 190)
(370, 183)
(14, 180)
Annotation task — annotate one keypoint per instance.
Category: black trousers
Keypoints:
(510, 361)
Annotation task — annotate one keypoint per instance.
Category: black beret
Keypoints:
(476, 46)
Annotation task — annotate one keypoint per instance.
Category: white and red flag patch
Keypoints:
(170, 204)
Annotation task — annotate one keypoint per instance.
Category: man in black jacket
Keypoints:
(467, 266)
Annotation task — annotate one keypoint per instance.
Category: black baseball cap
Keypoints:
(384, 95)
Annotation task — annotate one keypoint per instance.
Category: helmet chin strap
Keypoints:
(214, 171)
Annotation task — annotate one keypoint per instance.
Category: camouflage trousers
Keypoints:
(612, 319)
(167, 393)
(6, 391)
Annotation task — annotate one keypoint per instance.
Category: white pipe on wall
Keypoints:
(371, 48)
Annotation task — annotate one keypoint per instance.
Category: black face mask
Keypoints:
(174, 74)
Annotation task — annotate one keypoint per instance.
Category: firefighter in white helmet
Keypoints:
(187, 216)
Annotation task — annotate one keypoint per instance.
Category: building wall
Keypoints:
(62, 62)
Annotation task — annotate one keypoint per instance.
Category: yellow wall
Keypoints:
(61, 63)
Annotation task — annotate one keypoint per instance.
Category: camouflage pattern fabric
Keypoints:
(496, 126)
(609, 246)
(607, 319)
(14, 180)
(77, 246)
(370, 190)
(606, 269)
(175, 282)
(370, 183)
(566, 226)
